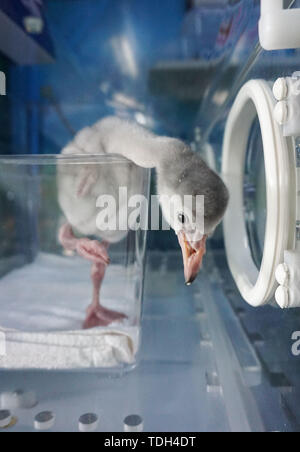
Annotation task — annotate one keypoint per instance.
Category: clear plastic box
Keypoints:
(45, 288)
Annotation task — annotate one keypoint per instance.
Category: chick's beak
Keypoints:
(192, 253)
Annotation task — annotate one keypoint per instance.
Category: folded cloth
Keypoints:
(96, 348)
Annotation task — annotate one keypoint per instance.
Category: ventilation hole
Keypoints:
(133, 423)
(5, 418)
(44, 420)
(88, 422)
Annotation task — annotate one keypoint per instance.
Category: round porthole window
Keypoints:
(260, 221)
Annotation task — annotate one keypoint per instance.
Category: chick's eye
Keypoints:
(181, 218)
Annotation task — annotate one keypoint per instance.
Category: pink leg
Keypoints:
(95, 252)
(88, 179)
(97, 315)
(91, 250)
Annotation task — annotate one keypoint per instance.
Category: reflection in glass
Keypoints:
(255, 199)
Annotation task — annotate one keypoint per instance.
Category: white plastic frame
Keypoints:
(256, 98)
(279, 27)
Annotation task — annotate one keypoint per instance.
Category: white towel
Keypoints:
(42, 306)
(96, 348)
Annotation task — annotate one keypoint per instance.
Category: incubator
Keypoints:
(221, 354)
